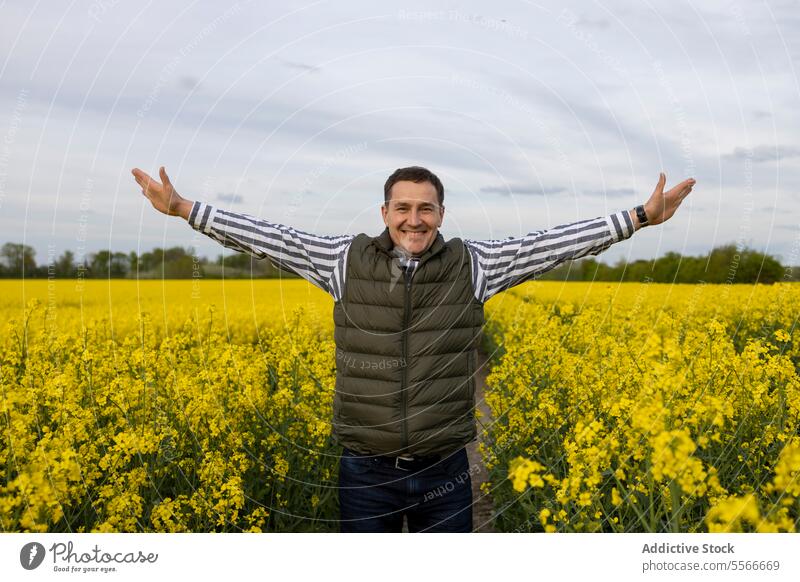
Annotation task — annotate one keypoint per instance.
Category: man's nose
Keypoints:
(414, 218)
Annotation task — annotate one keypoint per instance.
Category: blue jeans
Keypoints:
(374, 495)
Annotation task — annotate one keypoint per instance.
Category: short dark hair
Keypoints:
(413, 174)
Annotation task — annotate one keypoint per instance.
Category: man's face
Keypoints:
(413, 215)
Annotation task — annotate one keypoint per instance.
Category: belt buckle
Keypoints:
(397, 462)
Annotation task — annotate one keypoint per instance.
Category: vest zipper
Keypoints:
(404, 385)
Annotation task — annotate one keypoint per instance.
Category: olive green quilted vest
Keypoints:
(405, 350)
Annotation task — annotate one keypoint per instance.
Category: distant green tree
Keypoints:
(65, 264)
(98, 264)
(180, 267)
(19, 259)
(133, 262)
(120, 264)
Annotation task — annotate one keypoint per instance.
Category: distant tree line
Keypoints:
(18, 261)
(725, 264)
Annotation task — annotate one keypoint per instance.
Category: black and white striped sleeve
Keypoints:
(318, 259)
(500, 264)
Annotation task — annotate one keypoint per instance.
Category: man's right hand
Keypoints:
(163, 197)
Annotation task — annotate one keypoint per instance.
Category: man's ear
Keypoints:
(383, 213)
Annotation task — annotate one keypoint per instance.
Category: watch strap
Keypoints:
(642, 215)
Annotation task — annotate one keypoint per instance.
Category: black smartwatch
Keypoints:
(641, 215)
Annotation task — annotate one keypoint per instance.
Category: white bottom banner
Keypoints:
(382, 557)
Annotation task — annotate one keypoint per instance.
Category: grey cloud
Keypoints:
(188, 82)
(763, 153)
(230, 198)
(301, 66)
(537, 97)
(523, 190)
(598, 23)
(613, 192)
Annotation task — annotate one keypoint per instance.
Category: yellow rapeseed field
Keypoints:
(206, 405)
(166, 406)
(644, 407)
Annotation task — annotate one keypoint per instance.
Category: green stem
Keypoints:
(640, 516)
(652, 504)
(675, 496)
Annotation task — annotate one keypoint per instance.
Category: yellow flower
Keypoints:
(524, 472)
(728, 515)
(281, 465)
(672, 459)
(787, 470)
(782, 336)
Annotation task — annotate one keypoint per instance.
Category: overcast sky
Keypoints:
(532, 114)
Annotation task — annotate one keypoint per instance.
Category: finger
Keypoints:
(660, 184)
(141, 177)
(138, 174)
(164, 177)
(146, 184)
(150, 183)
(679, 190)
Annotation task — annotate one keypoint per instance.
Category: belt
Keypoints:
(409, 463)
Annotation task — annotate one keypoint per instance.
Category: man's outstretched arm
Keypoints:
(500, 264)
(318, 259)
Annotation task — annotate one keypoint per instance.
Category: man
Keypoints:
(408, 312)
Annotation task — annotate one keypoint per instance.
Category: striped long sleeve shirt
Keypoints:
(496, 264)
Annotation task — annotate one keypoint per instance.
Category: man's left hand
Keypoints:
(662, 205)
